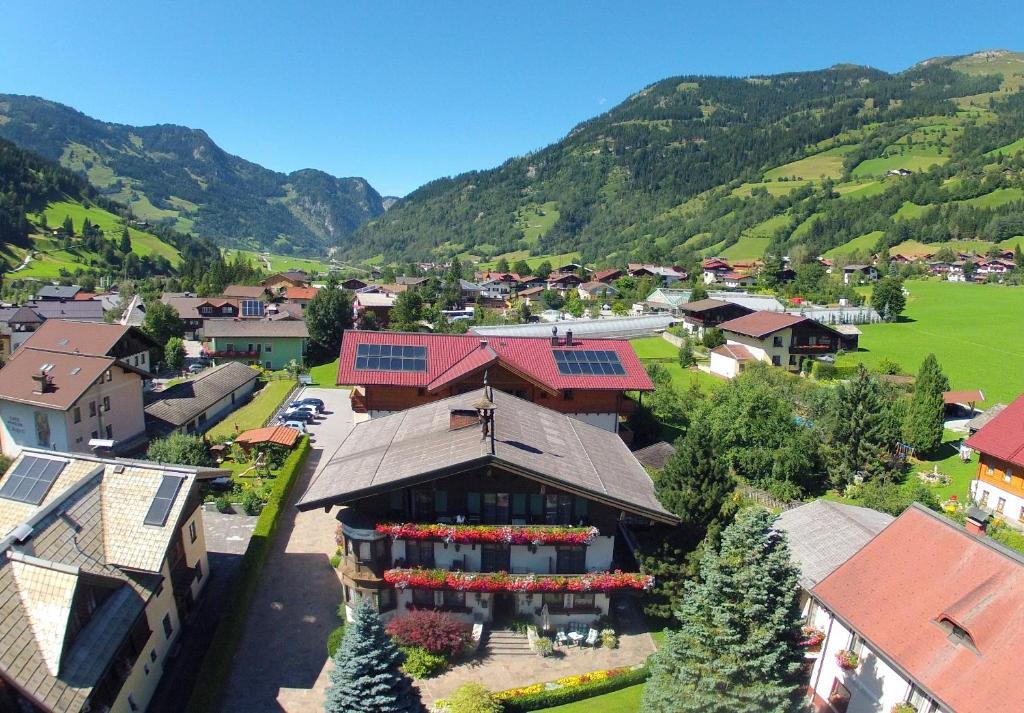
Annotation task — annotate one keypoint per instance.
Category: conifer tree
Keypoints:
(857, 432)
(366, 677)
(737, 650)
(694, 482)
(126, 241)
(69, 227)
(923, 428)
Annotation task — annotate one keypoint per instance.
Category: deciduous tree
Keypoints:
(887, 298)
(328, 315)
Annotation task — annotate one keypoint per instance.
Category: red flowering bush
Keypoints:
(435, 631)
(513, 535)
(505, 582)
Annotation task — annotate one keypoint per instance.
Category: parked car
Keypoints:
(196, 368)
(299, 426)
(308, 408)
(223, 483)
(316, 403)
(304, 416)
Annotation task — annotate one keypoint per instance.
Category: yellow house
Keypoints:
(100, 560)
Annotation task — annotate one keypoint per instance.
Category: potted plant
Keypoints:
(812, 638)
(847, 660)
(903, 708)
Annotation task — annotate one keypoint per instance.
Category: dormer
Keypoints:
(956, 632)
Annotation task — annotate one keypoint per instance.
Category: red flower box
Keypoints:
(505, 582)
(507, 534)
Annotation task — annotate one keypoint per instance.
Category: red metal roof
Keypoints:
(761, 323)
(281, 435)
(300, 293)
(1003, 436)
(920, 570)
(734, 351)
(962, 397)
(452, 356)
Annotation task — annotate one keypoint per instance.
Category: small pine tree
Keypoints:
(737, 649)
(69, 226)
(125, 245)
(923, 428)
(694, 482)
(686, 358)
(366, 677)
(857, 436)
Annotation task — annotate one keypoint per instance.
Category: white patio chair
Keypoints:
(592, 637)
(561, 639)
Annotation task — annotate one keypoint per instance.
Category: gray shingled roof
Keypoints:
(182, 402)
(58, 292)
(824, 534)
(655, 455)
(416, 445)
(254, 328)
(984, 417)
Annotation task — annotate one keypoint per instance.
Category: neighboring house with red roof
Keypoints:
(999, 483)
(736, 280)
(301, 296)
(607, 276)
(587, 378)
(934, 615)
(785, 340)
(704, 314)
(562, 282)
(713, 268)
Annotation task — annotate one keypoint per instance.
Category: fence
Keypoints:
(768, 500)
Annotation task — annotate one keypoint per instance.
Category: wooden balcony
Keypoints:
(367, 573)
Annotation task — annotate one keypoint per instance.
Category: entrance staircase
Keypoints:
(502, 642)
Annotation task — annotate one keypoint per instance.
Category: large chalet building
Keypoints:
(999, 483)
(101, 560)
(585, 378)
(485, 505)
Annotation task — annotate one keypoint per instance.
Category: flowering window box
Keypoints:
(505, 534)
(847, 660)
(811, 639)
(505, 582)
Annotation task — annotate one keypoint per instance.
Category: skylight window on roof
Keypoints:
(391, 357)
(588, 362)
(32, 479)
(160, 508)
(252, 308)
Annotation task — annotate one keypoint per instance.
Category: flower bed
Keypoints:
(505, 582)
(570, 689)
(512, 535)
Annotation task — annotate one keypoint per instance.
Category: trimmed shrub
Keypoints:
(435, 631)
(223, 503)
(824, 371)
(334, 640)
(544, 646)
(335, 561)
(252, 503)
(420, 663)
(473, 698)
(609, 640)
(571, 694)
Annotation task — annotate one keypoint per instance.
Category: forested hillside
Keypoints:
(696, 165)
(178, 176)
(54, 216)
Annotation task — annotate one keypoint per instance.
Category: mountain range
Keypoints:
(178, 175)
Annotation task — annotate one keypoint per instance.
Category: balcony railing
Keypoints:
(495, 534)
(812, 348)
(231, 353)
(505, 582)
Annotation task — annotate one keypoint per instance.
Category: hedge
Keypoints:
(561, 696)
(216, 667)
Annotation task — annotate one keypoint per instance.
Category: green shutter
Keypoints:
(441, 501)
(518, 504)
(473, 503)
(397, 501)
(537, 505)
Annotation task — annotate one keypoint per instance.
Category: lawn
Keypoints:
(281, 263)
(912, 160)
(255, 413)
(948, 461)
(654, 348)
(1008, 150)
(325, 375)
(620, 701)
(965, 326)
(660, 350)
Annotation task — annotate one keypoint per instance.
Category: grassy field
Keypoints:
(254, 413)
(913, 247)
(624, 700)
(555, 260)
(1008, 150)
(324, 375)
(912, 160)
(281, 263)
(748, 247)
(774, 188)
(658, 349)
(864, 244)
(965, 326)
(827, 164)
(998, 197)
(864, 189)
(536, 221)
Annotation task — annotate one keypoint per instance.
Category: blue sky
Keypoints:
(402, 93)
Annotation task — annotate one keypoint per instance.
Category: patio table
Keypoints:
(576, 637)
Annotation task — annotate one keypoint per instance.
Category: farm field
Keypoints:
(828, 164)
(555, 260)
(774, 188)
(911, 160)
(536, 221)
(910, 210)
(281, 263)
(1008, 150)
(864, 189)
(914, 247)
(962, 324)
(748, 247)
(864, 244)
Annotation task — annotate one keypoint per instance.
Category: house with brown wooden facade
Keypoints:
(485, 505)
(998, 485)
(585, 378)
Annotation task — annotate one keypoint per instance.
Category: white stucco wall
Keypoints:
(521, 560)
(724, 366)
(196, 551)
(1013, 509)
(18, 424)
(607, 421)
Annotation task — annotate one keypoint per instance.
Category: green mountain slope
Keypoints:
(37, 199)
(179, 176)
(702, 165)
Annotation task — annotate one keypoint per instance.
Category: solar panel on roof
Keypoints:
(391, 357)
(32, 479)
(163, 500)
(591, 362)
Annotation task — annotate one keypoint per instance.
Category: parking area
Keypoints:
(296, 604)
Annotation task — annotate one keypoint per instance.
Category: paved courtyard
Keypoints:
(281, 664)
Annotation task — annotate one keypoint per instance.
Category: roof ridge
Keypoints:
(590, 460)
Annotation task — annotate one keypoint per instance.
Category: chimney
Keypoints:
(461, 418)
(42, 382)
(977, 521)
(554, 336)
(568, 337)
(483, 343)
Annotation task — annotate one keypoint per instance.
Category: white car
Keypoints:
(297, 425)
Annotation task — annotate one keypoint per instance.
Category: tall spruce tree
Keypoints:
(366, 677)
(923, 427)
(737, 650)
(694, 482)
(858, 436)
